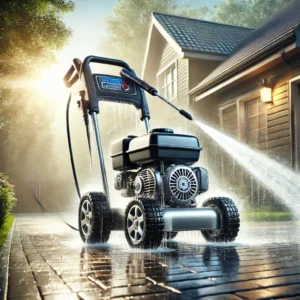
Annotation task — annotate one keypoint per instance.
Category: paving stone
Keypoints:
(222, 297)
(54, 288)
(220, 289)
(37, 297)
(50, 262)
(82, 285)
(283, 291)
(61, 297)
(191, 284)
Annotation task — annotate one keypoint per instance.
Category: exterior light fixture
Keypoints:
(265, 92)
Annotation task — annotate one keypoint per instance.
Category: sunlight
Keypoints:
(50, 82)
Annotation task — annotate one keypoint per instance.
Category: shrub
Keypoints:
(7, 198)
(268, 216)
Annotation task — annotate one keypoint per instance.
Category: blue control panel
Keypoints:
(115, 84)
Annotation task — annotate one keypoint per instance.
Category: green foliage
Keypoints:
(267, 216)
(30, 33)
(248, 13)
(7, 198)
(30, 30)
(4, 230)
(127, 28)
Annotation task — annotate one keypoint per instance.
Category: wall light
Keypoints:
(265, 92)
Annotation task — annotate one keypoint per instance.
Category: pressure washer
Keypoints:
(155, 170)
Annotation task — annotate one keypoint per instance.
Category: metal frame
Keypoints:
(186, 219)
(100, 153)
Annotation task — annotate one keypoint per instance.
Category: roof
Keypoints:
(202, 36)
(278, 32)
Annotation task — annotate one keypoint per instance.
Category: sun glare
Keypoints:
(50, 82)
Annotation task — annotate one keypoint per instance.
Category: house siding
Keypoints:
(230, 120)
(182, 82)
(163, 115)
(168, 55)
(278, 124)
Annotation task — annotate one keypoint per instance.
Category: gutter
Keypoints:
(281, 42)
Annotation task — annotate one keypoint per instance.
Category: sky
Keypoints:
(88, 25)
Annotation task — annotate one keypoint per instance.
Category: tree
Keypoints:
(248, 13)
(127, 28)
(30, 32)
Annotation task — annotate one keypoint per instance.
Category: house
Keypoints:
(254, 94)
(180, 52)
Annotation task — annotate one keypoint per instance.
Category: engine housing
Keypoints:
(177, 186)
(180, 185)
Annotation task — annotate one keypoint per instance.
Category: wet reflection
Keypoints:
(226, 258)
(185, 267)
(164, 270)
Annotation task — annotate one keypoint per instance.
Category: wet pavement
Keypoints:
(49, 261)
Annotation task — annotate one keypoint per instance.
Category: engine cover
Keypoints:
(180, 185)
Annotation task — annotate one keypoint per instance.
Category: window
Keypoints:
(167, 82)
(256, 122)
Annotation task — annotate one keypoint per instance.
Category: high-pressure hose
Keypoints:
(72, 163)
(70, 147)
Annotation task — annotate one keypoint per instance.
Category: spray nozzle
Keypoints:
(186, 114)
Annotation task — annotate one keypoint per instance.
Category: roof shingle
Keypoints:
(267, 36)
(202, 36)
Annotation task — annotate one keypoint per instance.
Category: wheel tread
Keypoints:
(101, 218)
(154, 224)
(230, 220)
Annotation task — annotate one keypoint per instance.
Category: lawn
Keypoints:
(268, 216)
(6, 228)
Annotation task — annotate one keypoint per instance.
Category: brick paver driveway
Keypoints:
(49, 261)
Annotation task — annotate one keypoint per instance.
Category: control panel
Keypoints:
(115, 84)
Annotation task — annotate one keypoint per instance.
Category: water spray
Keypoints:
(279, 179)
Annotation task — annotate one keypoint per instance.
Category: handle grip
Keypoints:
(141, 83)
(70, 78)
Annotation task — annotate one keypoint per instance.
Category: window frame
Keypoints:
(163, 84)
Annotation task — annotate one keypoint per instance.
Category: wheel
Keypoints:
(171, 235)
(229, 220)
(94, 218)
(144, 224)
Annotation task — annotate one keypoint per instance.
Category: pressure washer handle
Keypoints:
(69, 80)
(141, 83)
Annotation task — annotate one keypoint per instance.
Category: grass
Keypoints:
(4, 230)
(268, 216)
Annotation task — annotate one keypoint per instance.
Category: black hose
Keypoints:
(72, 163)
(70, 147)
(45, 210)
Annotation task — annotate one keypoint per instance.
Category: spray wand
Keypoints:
(152, 91)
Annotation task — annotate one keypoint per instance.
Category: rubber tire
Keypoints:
(229, 220)
(101, 228)
(171, 235)
(153, 224)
